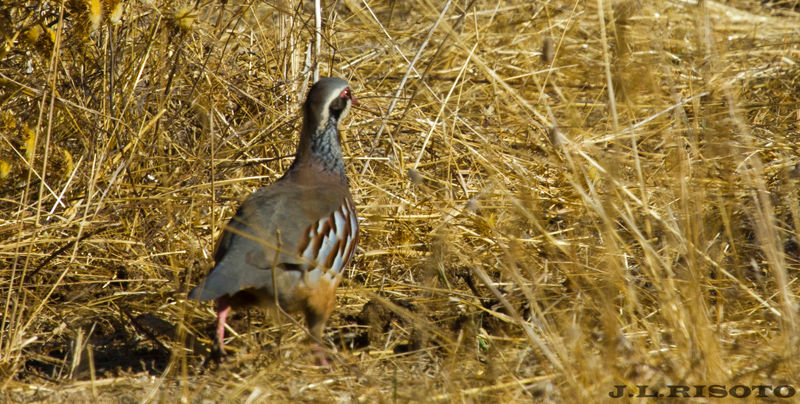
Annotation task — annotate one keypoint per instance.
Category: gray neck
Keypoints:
(321, 149)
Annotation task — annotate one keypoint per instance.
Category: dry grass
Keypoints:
(620, 211)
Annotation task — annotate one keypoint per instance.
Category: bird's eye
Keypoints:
(346, 94)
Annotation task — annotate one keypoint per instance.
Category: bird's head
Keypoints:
(329, 98)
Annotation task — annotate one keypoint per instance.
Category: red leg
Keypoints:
(316, 325)
(320, 355)
(223, 308)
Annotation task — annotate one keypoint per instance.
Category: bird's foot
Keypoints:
(320, 357)
(217, 355)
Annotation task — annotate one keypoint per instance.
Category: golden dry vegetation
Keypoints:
(556, 197)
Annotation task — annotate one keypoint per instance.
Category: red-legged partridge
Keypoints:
(299, 232)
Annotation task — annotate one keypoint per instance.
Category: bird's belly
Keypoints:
(296, 289)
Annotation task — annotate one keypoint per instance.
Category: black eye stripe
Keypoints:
(337, 106)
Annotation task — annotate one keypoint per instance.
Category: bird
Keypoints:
(288, 243)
